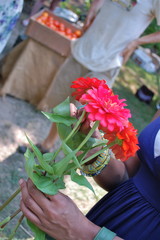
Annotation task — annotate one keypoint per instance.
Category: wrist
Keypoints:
(97, 166)
(105, 233)
(136, 43)
(90, 231)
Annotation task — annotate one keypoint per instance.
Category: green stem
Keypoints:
(10, 199)
(94, 155)
(101, 151)
(88, 136)
(6, 220)
(16, 227)
(75, 127)
(71, 133)
(83, 142)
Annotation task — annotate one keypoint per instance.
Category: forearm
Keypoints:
(151, 38)
(96, 5)
(112, 175)
(117, 172)
(129, 49)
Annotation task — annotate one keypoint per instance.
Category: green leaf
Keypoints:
(60, 119)
(63, 130)
(30, 163)
(67, 150)
(63, 108)
(61, 166)
(94, 142)
(61, 114)
(39, 156)
(39, 234)
(77, 138)
(48, 185)
(48, 157)
(81, 180)
(70, 166)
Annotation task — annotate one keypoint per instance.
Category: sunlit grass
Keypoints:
(129, 80)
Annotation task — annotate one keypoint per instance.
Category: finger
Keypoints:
(85, 128)
(29, 214)
(57, 198)
(80, 110)
(73, 110)
(39, 197)
(29, 201)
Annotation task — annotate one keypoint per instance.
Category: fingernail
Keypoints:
(21, 181)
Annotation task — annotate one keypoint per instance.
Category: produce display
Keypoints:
(56, 25)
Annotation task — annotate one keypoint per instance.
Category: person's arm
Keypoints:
(117, 172)
(157, 114)
(53, 4)
(56, 215)
(150, 38)
(95, 7)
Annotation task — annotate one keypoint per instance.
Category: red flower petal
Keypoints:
(129, 145)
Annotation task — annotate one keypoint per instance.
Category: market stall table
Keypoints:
(29, 70)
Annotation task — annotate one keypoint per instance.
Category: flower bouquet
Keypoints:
(107, 113)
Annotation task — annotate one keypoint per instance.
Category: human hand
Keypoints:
(89, 19)
(127, 52)
(95, 7)
(56, 215)
(86, 123)
(86, 126)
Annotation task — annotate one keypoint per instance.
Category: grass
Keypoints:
(129, 80)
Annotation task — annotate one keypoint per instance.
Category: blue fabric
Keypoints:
(10, 11)
(132, 210)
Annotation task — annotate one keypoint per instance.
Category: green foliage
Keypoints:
(57, 116)
(80, 10)
(39, 234)
(81, 180)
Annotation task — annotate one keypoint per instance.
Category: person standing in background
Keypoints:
(10, 11)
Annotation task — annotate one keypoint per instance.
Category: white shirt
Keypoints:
(114, 27)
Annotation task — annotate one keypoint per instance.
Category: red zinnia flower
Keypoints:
(128, 139)
(81, 86)
(105, 107)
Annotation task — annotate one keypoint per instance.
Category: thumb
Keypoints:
(85, 128)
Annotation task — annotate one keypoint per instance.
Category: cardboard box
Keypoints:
(48, 37)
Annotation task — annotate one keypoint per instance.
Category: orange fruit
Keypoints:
(78, 33)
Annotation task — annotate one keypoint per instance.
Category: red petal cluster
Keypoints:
(126, 142)
(81, 85)
(103, 106)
